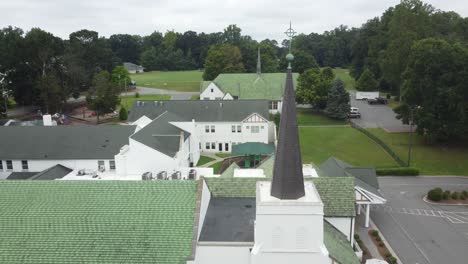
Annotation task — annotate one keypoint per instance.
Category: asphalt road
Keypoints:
(422, 233)
(377, 116)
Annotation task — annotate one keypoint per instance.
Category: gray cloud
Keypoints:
(259, 18)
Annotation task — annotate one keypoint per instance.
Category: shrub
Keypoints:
(123, 114)
(392, 260)
(446, 195)
(388, 254)
(374, 233)
(401, 171)
(464, 193)
(435, 194)
(455, 195)
(381, 244)
(356, 236)
(389, 96)
(378, 238)
(463, 197)
(137, 95)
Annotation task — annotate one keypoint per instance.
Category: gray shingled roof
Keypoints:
(365, 178)
(55, 172)
(161, 135)
(62, 142)
(201, 111)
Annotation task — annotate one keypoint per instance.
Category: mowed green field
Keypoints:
(127, 101)
(429, 159)
(183, 81)
(345, 143)
(343, 74)
(307, 117)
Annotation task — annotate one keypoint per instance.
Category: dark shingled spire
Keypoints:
(288, 180)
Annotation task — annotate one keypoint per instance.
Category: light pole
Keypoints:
(410, 143)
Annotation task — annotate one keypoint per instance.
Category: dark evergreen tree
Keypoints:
(367, 82)
(338, 101)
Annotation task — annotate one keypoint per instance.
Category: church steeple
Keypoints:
(259, 63)
(288, 180)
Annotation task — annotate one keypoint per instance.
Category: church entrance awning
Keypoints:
(253, 148)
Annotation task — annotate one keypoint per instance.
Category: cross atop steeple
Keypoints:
(290, 33)
(259, 63)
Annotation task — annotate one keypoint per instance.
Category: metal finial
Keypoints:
(290, 33)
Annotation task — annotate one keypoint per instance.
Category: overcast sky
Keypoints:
(258, 18)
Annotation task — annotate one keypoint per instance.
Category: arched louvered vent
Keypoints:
(303, 239)
(277, 237)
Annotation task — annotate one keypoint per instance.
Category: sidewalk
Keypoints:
(210, 155)
(364, 235)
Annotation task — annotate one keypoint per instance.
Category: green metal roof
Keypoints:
(267, 86)
(253, 148)
(337, 193)
(338, 246)
(96, 221)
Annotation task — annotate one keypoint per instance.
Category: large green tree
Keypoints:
(222, 58)
(313, 87)
(120, 77)
(103, 96)
(434, 90)
(302, 61)
(367, 81)
(338, 101)
(51, 93)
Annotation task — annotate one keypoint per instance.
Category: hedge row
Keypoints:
(402, 171)
(437, 194)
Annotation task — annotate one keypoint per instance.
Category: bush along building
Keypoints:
(212, 220)
(248, 86)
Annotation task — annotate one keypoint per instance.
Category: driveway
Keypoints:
(422, 233)
(377, 116)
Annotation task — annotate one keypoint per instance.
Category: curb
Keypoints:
(444, 204)
(385, 242)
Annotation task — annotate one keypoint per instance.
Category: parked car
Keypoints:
(378, 100)
(354, 113)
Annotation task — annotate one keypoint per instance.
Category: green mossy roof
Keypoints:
(267, 86)
(338, 246)
(96, 221)
(337, 193)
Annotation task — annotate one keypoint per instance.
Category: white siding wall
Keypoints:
(40, 165)
(223, 134)
(343, 224)
(140, 158)
(222, 254)
(212, 92)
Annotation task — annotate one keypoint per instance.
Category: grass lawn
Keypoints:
(343, 74)
(307, 117)
(223, 155)
(184, 81)
(127, 101)
(345, 143)
(429, 159)
(203, 160)
(195, 97)
(216, 166)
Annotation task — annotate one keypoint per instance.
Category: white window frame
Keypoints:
(112, 165)
(213, 145)
(207, 129)
(23, 163)
(207, 145)
(255, 129)
(233, 128)
(213, 129)
(9, 165)
(239, 128)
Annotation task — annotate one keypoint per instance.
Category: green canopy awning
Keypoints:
(253, 148)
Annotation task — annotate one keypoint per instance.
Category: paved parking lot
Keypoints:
(422, 233)
(374, 116)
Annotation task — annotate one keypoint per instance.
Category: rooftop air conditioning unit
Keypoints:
(192, 175)
(176, 175)
(162, 175)
(147, 176)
